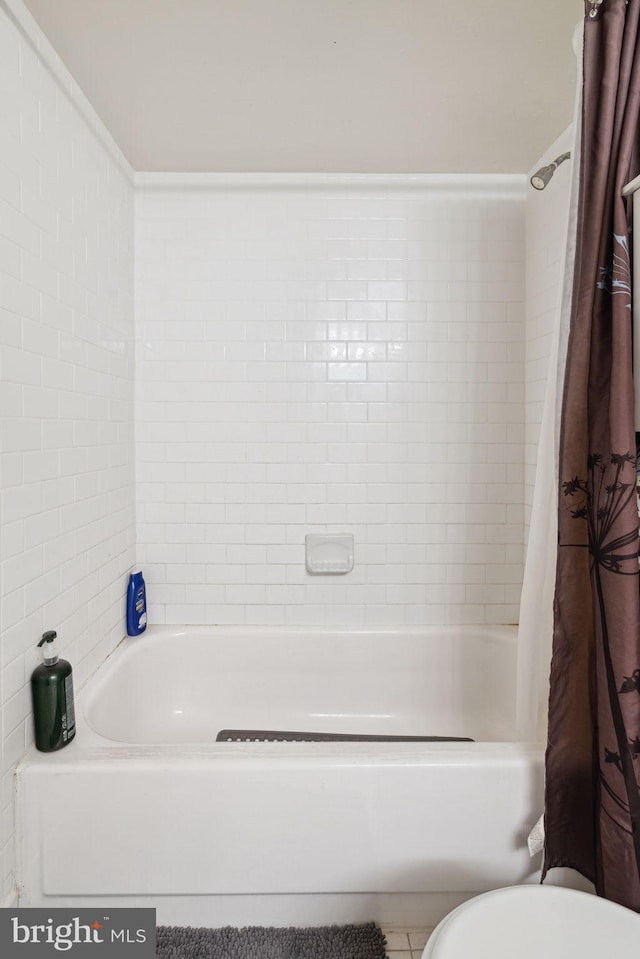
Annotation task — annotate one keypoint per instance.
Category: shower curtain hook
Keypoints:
(595, 6)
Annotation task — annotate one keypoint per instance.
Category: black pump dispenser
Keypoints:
(52, 694)
(50, 655)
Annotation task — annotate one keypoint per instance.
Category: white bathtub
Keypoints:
(145, 808)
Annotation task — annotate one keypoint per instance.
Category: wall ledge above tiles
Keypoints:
(28, 28)
(511, 185)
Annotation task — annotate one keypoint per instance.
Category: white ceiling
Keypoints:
(369, 86)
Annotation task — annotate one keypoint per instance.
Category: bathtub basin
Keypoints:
(144, 807)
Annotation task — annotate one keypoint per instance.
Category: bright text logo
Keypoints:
(34, 933)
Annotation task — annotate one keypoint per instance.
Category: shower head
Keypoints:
(542, 176)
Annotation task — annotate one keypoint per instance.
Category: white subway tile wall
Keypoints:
(67, 500)
(330, 355)
(546, 227)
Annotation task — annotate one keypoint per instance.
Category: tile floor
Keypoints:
(405, 943)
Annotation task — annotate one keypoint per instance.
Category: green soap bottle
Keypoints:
(52, 694)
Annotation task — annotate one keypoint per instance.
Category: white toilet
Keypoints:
(536, 922)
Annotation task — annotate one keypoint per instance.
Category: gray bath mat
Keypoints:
(289, 736)
(257, 942)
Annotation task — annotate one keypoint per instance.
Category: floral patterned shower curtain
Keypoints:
(592, 804)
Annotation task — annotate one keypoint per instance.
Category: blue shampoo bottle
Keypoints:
(136, 605)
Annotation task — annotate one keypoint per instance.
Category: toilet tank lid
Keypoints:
(536, 922)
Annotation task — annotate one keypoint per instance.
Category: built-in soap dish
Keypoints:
(329, 552)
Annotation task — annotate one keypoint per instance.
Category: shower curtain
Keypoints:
(536, 602)
(592, 798)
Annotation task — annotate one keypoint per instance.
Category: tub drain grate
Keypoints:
(288, 736)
